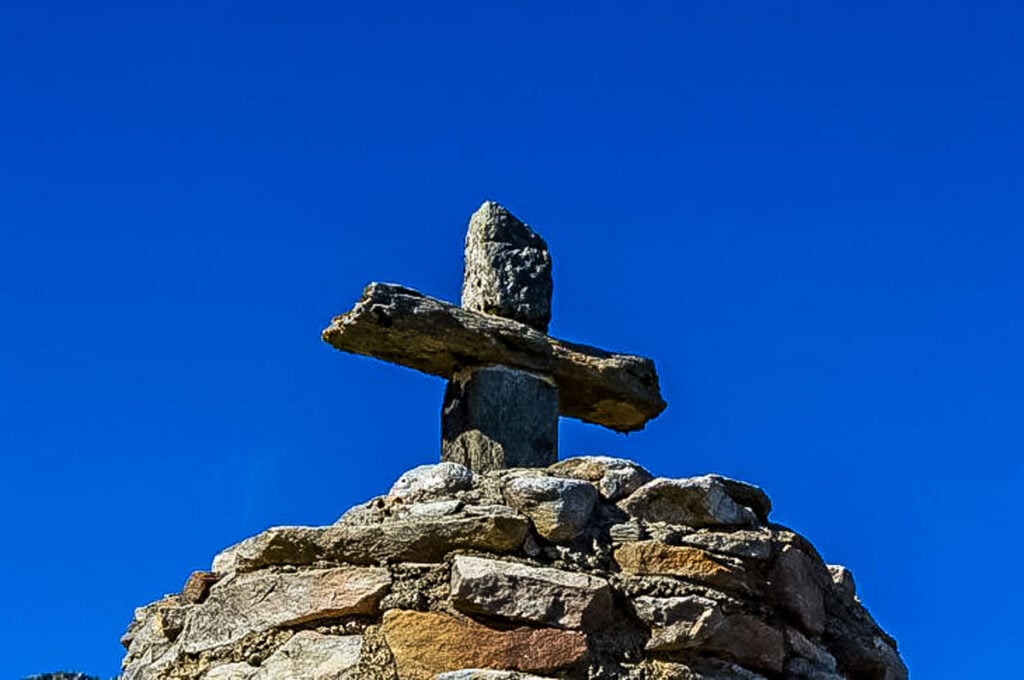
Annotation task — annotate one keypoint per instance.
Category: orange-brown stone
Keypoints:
(427, 643)
(654, 558)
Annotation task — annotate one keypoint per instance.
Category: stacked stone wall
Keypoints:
(590, 568)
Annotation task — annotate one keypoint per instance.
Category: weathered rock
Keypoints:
(559, 508)
(842, 579)
(426, 539)
(799, 668)
(308, 655)
(739, 637)
(277, 545)
(425, 644)
(508, 268)
(413, 539)
(197, 587)
(626, 531)
(251, 603)
(816, 656)
(432, 482)
(494, 418)
(550, 597)
(313, 656)
(666, 611)
(405, 327)
(797, 586)
(748, 544)
(615, 478)
(655, 558)
(697, 502)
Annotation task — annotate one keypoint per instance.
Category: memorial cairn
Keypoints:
(502, 562)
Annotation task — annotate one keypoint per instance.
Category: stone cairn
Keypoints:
(501, 562)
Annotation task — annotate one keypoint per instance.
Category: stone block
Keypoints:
(496, 417)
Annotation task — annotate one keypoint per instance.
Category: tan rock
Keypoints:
(652, 558)
(197, 587)
(425, 644)
(250, 603)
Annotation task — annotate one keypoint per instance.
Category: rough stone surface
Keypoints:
(614, 478)
(550, 597)
(495, 418)
(253, 603)
(431, 482)
(698, 502)
(797, 586)
(523, 573)
(405, 327)
(651, 558)
(559, 508)
(508, 268)
(426, 644)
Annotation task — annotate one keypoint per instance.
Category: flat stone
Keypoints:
(425, 644)
(799, 668)
(652, 558)
(496, 418)
(797, 587)
(696, 502)
(660, 612)
(412, 539)
(432, 482)
(559, 508)
(615, 478)
(277, 545)
(507, 268)
(744, 543)
(257, 602)
(405, 327)
(314, 656)
(426, 539)
(541, 595)
(308, 655)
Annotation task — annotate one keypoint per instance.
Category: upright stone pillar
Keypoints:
(497, 417)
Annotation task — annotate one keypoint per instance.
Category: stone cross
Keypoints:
(508, 381)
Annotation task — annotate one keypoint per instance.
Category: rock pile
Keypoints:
(589, 568)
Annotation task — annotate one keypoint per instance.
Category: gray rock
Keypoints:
(313, 656)
(799, 668)
(559, 508)
(738, 637)
(661, 612)
(432, 482)
(507, 269)
(796, 585)
(251, 603)
(429, 510)
(748, 544)
(746, 494)
(496, 417)
(626, 531)
(538, 595)
(816, 656)
(697, 502)
(842, 579)
(277, 545)
(615, 478)
(701, 669)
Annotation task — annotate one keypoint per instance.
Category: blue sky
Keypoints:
(808, 213)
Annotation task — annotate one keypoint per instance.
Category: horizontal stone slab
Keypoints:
(403, 326)
(426, 644)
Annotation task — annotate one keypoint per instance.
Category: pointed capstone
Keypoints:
(508, 268)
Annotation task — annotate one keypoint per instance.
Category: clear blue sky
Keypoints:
(809, 213)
